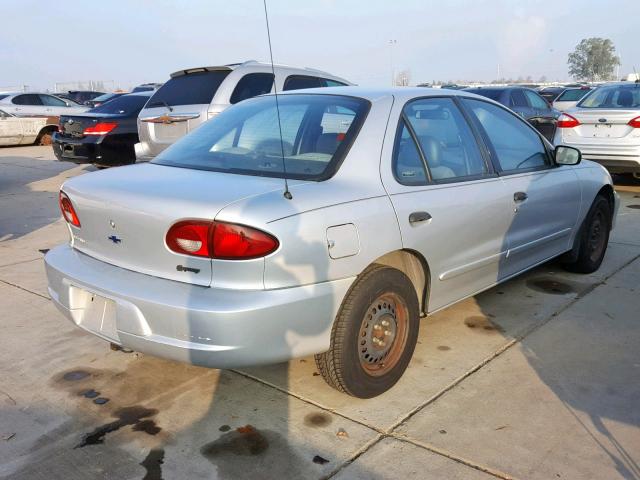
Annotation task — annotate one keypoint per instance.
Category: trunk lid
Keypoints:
(161, 127)
(73, 126)
(126, 212)
(603, 123)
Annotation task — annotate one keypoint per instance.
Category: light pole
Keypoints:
(393, 73)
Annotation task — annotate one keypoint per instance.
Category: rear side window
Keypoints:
(536, 100)
(332, 83)
(516, 145)
(27, 99)
(252, 85)
(317, 131)
(445, 141)
(518, 99)
(125, 105)
(299, 82)
(189, 89)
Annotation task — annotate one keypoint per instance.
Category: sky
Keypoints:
(126, 42)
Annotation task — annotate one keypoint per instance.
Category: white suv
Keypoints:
(191, 97)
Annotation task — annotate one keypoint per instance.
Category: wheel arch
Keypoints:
(415, 267)
(607, 192)
(48, 129)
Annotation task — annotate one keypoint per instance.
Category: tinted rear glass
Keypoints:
(572, 95)
(492, 93)
(190, 89)
(105, 97)
(317, 131)
(613, 97)
(125, 105)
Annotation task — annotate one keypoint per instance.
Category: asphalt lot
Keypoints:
(538, 378)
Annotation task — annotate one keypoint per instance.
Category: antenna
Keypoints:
(287, 193)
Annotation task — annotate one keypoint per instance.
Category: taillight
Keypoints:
(219, 240)
(68, 212)
(634, 122)
(567, 121)
(100, 128)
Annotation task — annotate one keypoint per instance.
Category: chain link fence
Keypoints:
(93, 85)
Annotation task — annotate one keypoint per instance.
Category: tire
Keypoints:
(381, 305)
(594, 237)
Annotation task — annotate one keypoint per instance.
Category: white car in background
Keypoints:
(605, 127)
(24, 131)
(194, 95)
(38, 104)
(570, 98)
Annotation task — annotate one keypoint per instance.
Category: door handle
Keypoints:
(418, 217)
(520, 196)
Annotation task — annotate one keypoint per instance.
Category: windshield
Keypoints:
(190, 89)
(492, 93)
(317, 131)
(125, 105)
(573, 94)
(617, 96)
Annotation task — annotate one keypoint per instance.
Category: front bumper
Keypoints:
(199, 325)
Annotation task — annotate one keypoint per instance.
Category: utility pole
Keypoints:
(393, 73)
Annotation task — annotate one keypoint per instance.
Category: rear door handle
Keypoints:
(520, 196)
(418, 217)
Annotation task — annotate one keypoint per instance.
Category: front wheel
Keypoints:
(374, 334)
(594, 238)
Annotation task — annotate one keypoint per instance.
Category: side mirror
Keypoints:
(567, 155)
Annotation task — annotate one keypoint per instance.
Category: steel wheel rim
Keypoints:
(382, 336)
(596, 239)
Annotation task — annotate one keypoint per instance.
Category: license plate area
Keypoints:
(93, 312)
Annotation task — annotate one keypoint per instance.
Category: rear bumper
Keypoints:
(104, 151)
(198, 325)
(615, 158)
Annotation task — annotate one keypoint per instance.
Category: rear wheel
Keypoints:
(374, 334)
(45, 136)
(594, 237)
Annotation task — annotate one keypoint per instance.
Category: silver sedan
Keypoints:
(398, 203)
(605, 126)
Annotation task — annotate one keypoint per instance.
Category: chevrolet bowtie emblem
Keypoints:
(115, 239)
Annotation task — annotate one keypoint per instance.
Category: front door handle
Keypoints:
(520, 196)
(418, 217)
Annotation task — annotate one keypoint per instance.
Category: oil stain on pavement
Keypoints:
(125, 416)
(482, 323)
(550, 285)
(153, 464)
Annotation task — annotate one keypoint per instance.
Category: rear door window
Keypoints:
(536, 100)
(252, 85)
(517, 146)
(518, 99)
(27, 99)
(445, 140)
(52, 101)
(299, 82)
(189, 89)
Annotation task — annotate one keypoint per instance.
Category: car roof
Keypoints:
(139, 94)
(402, 94)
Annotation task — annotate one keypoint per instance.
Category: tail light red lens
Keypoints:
(100, 128)
(68, 212)
(567, 121)
(634, 122)
(221, 240)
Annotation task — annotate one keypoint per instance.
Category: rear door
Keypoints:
(544, 198)
(544, 115)
(450, 205)
(178, 107)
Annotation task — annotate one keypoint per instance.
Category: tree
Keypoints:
(593, 59)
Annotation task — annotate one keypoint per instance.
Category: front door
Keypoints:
(451, 207)
(545, 198)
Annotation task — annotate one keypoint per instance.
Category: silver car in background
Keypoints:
(570, 98)
(399, 203)
(605, 126)
(192, 96)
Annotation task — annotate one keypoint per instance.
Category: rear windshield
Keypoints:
(492, 93)
(613, 97)
(317, 131)
(190, 89)
(125, 105)
(105, 97)
(573, 95)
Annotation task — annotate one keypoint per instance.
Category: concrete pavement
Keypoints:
(536, 378)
